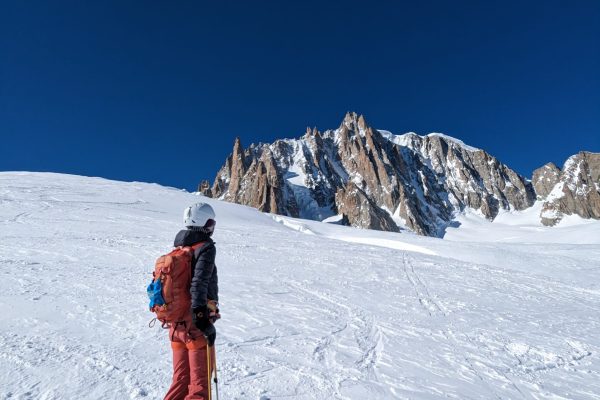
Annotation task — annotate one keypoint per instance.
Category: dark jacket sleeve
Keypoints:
(213, 286)
(203, 272)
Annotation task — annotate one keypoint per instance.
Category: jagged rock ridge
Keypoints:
(372, 179)
(573, 190)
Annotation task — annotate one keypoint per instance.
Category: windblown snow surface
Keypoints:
(310, 310)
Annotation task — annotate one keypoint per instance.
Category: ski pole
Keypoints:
(216, 376)
(209, 369)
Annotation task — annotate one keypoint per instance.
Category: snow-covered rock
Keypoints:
(420, 181)
(544, 179)
(574, 190)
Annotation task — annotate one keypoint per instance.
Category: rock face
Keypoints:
(204, 188)
(251, 177)
(360, 211)
(372, 178)
(576, 189)
(545, 178)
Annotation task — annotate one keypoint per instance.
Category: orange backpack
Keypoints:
(172, 277)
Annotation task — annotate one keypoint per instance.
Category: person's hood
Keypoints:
(189, 237)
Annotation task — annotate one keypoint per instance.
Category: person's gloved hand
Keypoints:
(200, 317)
(213, 311)
(210, 333)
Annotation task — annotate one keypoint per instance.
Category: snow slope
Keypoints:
(523, 226)
(310, 310)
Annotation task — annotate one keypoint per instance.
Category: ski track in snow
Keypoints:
(307, 314)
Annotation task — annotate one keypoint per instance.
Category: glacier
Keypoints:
(497, 310)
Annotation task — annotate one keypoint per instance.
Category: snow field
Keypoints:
(310, 310)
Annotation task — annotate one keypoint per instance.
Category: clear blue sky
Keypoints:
(158, 90)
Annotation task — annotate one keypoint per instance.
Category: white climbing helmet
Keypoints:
(198, 215)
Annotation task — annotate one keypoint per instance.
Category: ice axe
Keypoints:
(210, 333)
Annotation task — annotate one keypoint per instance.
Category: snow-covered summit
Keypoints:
(408, 139)
(457, 141)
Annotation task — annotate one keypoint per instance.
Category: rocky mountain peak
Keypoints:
(377, 180)
(237, 146)
(311, 132)
(354, 122)
(573, 190)
(545, 178)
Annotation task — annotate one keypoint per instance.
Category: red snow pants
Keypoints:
(190, 363)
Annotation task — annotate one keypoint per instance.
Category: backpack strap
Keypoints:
(198, 245)
(195, 247)
(189, 249)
